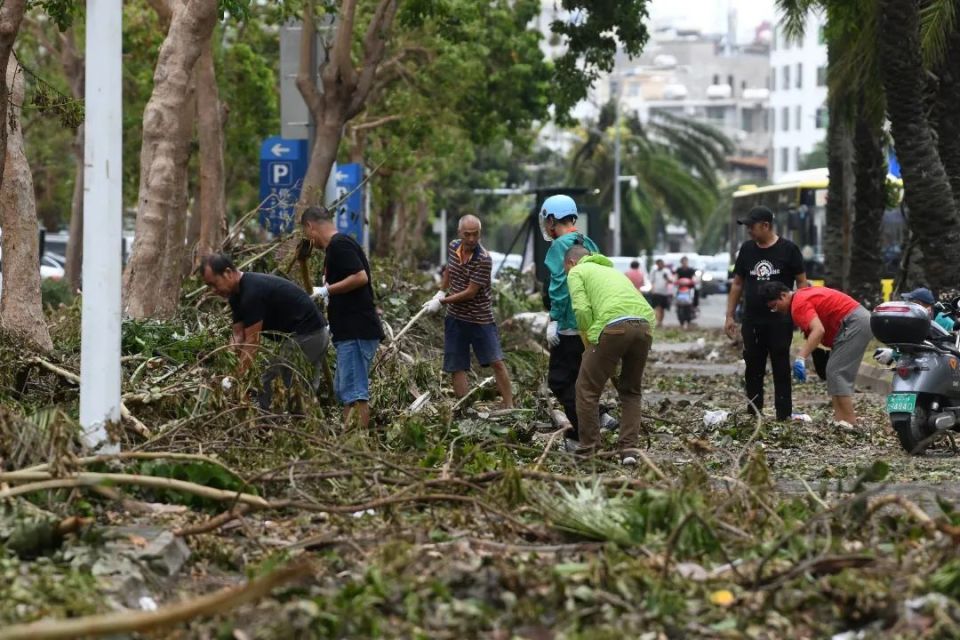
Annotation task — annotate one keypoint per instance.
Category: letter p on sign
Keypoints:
(280, 174)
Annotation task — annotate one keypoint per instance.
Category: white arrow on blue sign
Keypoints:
(283, 165)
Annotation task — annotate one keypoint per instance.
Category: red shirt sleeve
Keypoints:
(803, 314)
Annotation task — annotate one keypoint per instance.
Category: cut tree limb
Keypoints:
(125, 622)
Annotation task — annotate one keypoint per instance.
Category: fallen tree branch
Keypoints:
(462, 402)
(213, 523)
(911, 508)
(43, 481)
(131, 621)
(139, 455)
(140, 428)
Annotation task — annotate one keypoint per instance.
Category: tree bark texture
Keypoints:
(947, 115)
(213, 200)
(21, 307)
(74, 257)
(870, 170)
(932, 216)
(11, 15)
(154, 275)
(345, 87)
(837, 214)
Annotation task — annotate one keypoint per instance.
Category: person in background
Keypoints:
(267, 305)
(686, 271)
(635, 274)
(765, 257)
(353, 316)
(660, 280)
(558, 225)
(615, 321)
(469, 323)
(835, 320)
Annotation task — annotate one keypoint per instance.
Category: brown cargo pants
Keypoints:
(626, 344)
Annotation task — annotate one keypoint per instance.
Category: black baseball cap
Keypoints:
(757, 214)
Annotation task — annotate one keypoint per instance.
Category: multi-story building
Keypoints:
(798, 96)
(708, 78)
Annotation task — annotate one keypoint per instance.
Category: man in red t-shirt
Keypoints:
(835, 320)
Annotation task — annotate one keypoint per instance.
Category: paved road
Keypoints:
(712, 313)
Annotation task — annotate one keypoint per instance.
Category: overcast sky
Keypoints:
(711, 15)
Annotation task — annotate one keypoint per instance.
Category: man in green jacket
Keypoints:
(616, 322)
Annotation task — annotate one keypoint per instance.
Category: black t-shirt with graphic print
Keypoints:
(780, 262)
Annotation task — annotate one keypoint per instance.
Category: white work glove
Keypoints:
(883, 356)
(226, 383)
(321, 293)
(553, 334)
(433, 304)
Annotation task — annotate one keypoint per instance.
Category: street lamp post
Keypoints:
(615, 223)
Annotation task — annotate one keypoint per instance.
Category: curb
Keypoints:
(875, 379)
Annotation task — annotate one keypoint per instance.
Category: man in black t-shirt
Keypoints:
(266, 305)
(765, 257)
(353, 317)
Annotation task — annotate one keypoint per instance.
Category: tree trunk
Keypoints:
(21, 307)
(74, 266)
(866, 264)
(947, 116)
(932, 216)
(837, 215)
(213, 201)
(345, 88)
(11, 15)
(163, 166)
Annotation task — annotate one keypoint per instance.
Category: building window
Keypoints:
(799, 75)
(823, 118)
(796, 154)
(785, 76)
(773, 40)
(743, 86)
(746, 120)
(772, 80)
(716, 78)
(785, 159)
(716, 114)
(773, 119)
(822, 76)
(799, 120)
(785, 119)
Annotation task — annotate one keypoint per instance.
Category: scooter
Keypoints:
(684, 301)
(925, 397)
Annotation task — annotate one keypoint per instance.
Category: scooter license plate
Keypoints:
(901, 402)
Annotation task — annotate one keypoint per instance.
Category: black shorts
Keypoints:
(660, 301)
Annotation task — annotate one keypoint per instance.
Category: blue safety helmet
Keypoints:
(557, 207)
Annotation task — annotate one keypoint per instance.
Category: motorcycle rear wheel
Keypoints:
(912, 429)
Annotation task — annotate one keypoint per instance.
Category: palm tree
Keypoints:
(675, 161)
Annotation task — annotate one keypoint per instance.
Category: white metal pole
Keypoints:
(443, 237)
(102, 230)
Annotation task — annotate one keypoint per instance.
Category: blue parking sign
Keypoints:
(350, 211)
(283, 165)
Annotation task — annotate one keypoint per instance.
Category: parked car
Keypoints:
(714, 276)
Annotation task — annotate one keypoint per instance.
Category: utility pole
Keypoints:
(103, 216)
(615, 222)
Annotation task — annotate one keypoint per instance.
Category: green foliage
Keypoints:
(172, 340)
(202, 473)
(63, 12)
(55, 293)
(591, 31)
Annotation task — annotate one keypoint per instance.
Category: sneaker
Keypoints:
(609, 423)
(628, 461)
(801, 417)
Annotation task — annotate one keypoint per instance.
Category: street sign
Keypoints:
(283, 165)
(350, 212)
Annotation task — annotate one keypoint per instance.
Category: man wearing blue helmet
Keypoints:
(558, 220)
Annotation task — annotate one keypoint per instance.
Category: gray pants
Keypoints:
(293, 350)
(847, 354)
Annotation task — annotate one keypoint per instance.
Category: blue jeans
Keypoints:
(459, 336)
(352, 379)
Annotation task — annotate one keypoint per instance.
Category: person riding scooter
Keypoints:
(924, 298)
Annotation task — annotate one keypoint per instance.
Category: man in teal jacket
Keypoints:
(558, 220)
(616, 322)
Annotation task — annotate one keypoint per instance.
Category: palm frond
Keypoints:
(938, 19)
(794, 12)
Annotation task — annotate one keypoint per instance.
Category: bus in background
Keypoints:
(799, 204)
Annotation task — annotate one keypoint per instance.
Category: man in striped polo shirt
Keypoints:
(469, 322)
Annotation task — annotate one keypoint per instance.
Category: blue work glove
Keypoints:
(800, 370)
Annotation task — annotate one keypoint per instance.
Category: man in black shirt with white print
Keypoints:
(765, 257)
(268, 306)
(354, 322)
